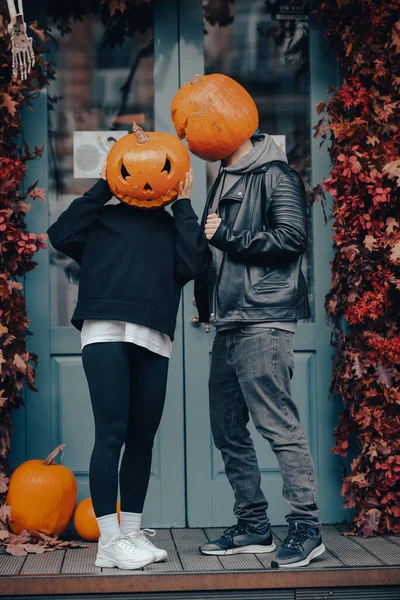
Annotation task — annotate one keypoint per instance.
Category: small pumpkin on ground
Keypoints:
(85, 520)
(215, 115)
(42, 495)
(144, 169)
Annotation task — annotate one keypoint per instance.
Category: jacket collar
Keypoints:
(236, 192)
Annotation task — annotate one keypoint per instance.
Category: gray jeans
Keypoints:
(250, 373)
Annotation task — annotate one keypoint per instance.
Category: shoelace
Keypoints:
(143, 534)
(234, 530)
(123, 542)
(295, 538)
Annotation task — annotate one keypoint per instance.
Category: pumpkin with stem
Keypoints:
(215, 115)
(85, 520)
(145, 169)
(42, 495)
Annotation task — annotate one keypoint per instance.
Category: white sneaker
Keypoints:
(123, 553)
(141, 538)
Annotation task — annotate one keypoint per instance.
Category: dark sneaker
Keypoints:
(302, 544)
(241, 539)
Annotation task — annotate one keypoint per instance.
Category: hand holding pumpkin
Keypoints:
(211, 226)
(103, 172)
(185, 189)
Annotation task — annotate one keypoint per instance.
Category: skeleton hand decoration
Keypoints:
(23, 57)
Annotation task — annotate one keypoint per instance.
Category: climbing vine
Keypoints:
(17, 245)
(362, 121)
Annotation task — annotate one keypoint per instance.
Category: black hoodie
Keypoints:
(134, 262)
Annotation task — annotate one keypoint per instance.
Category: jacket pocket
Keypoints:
(270, 286)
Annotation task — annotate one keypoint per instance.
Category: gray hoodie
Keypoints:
(264, 150)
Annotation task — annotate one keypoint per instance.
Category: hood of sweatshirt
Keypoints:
(264, 150)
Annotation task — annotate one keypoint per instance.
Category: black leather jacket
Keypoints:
(263, 235)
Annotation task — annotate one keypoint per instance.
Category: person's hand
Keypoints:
(103, 172)
(196, 323)
(211, 226)
(186, 187)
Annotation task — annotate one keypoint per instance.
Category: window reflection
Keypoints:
(97, 88)
(264, 45)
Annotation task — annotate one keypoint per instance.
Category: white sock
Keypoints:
(130, 522)
(109, 528)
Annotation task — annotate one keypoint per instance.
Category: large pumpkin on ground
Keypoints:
(42, 496)
(85, 521)
(215, 115)
(145, 169)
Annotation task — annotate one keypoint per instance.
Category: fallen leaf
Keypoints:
(16, 549)
(5, 513)
(34, 548)
(23, 538)
(4, 534)
(371, 522)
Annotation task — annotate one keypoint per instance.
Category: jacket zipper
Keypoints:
(272, 286)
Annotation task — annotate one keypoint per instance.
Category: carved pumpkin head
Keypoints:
(215, 115)
(144, 169)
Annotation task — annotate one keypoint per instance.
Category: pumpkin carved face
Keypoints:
(215, 115)
(144, 169)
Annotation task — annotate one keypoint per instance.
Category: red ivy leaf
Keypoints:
(396, 36)
(384, 376)
(39, 31)
(37, 193)
(9, 104)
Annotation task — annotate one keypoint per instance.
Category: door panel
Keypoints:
(285, 95)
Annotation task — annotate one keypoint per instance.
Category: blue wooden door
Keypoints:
(286, 93)
(89, 98)
(188, 484)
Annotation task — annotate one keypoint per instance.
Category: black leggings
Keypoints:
(127, 387)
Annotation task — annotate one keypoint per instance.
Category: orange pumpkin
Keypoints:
(85, 520)
(42, 496)
(215, 115)
(144, 169)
